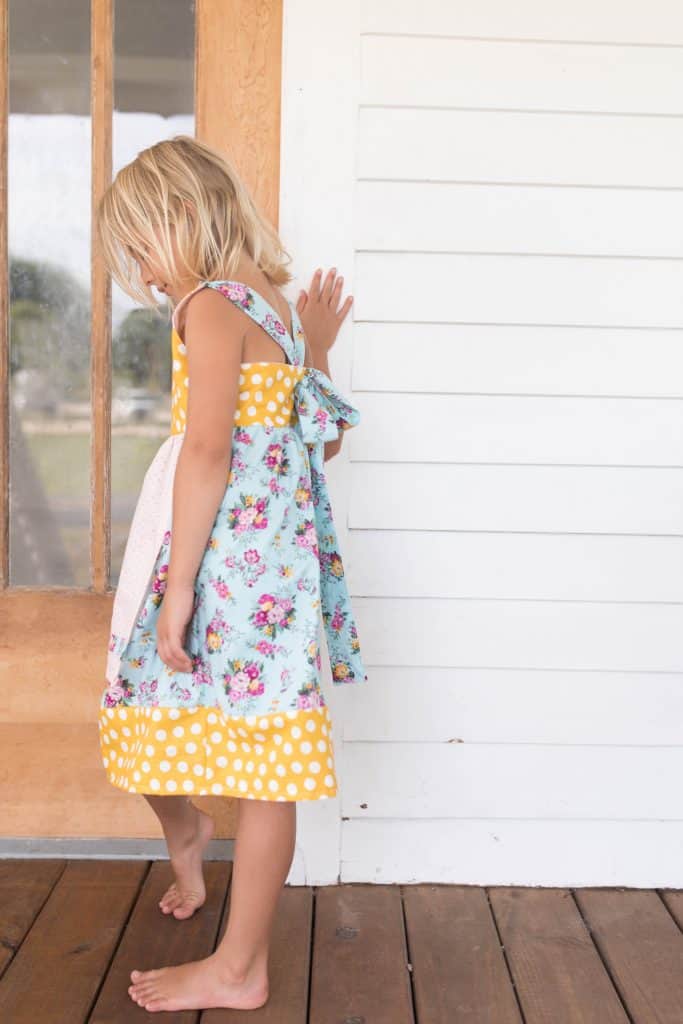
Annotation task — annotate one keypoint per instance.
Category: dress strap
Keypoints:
(299, 335)
(262, 313)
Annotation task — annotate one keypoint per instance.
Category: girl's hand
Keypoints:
(319, 310)
(176, 611)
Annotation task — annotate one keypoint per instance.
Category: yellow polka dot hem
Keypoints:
(284, 756)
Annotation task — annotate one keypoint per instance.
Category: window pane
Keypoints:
(49, 252)
(153, 99)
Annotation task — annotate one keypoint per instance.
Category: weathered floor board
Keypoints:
(71, 932)
(557, 970)
(360, 963)
(643, 948)
(59, 966)
(459, 970)
(24, 887)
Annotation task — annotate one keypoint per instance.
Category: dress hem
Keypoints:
(224, 792)
(202, 751)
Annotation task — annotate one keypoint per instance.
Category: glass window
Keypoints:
(49, 285)
(153, 99)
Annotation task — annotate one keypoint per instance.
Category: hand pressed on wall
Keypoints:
(320, 312)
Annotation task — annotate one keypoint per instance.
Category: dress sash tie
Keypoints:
(322, 414)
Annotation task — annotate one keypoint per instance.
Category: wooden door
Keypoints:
(57, 530)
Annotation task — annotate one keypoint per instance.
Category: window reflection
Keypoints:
(49, 286)
(153, 99)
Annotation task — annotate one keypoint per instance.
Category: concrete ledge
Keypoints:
(106, 849)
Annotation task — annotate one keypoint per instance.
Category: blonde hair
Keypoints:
(183, 186)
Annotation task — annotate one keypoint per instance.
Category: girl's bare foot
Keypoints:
(199, 985)
(186, 844)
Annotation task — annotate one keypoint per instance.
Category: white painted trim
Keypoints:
(320, 90)
(494, 852)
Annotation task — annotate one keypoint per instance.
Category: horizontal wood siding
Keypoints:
(515, 489)
(610, 21)
(513, 851)
(511, 506)
(520, 359)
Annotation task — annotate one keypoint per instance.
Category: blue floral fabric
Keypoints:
(271, 567)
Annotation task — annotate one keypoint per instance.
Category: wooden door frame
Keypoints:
(51, 773)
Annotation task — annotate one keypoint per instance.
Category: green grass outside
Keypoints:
(62, 463)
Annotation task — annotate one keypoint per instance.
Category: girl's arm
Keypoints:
(321, 319)
(214, 354)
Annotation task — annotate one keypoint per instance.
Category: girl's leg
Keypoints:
(264, 848)
(187, 831)
(236, 975)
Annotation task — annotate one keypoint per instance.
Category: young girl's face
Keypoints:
(154, 277)
(150, 273)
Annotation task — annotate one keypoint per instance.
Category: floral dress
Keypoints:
(250, 718)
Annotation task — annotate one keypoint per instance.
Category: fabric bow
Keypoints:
(322, 414)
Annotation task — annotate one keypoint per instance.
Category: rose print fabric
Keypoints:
(250, 718)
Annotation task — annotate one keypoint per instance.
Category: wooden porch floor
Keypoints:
(71, 931)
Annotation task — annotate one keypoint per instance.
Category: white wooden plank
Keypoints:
(480, 359)
(520, 634)
(474, 428)
(318, 147)
(643, 854)
(543, 499)
(450, 217)
(543, 148)
(525, 566)
(318, 170)
(449, 72)
(660, 21)
(518, 289)
(460, 780)
(515, 706)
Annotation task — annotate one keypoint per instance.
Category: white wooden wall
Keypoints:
(502, 185)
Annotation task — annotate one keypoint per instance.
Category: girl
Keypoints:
(213, 665)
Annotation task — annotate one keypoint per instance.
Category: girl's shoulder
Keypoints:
(206, 304)
(180, 309)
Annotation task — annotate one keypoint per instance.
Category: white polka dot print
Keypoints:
(276, 754)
